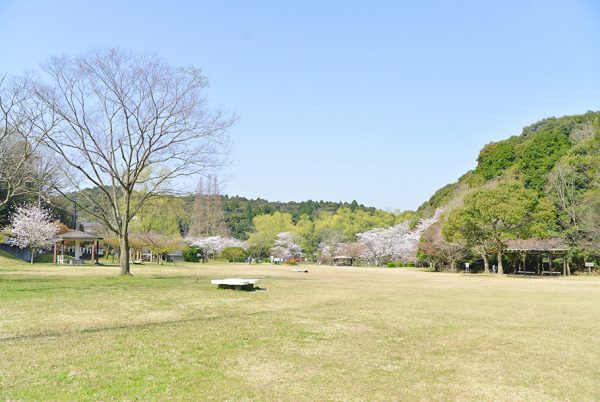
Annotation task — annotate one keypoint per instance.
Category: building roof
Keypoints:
(79, 235)
(534, 244)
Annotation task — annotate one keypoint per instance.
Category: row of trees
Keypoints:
(327, 236)
(326, 229)
(276, 236)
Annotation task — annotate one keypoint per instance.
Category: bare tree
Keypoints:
(131, 127)
(23, 168)
(208, 218)
(440, 251)
(564, 188)
(590, 222)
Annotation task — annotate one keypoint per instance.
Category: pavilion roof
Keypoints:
(536, 244)
(79, 235)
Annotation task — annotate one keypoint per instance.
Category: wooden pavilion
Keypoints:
(540, 248)
(343, 260)
(76, 238)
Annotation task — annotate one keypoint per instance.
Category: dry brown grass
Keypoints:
(334, 333)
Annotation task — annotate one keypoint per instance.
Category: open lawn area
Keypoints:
(331, 334)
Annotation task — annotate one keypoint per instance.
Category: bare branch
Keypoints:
(131, 126)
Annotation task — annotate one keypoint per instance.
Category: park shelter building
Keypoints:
(74, 239)
(543, 252)
(343, 260)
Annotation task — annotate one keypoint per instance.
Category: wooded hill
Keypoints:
(543, 183)
(240, 211)
(530, 157)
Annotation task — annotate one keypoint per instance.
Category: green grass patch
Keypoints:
(7, 259)
(81, 333)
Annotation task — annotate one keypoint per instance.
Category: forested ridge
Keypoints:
(543, 183)
(239, 211)
(530, 157)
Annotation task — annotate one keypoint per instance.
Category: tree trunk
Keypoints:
(486, 263)
(124, 255)
(500, 267)
(32, 254)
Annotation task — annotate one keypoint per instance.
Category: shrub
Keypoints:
(192, 253)
(291, 261)
(45, 258)
(400, 264)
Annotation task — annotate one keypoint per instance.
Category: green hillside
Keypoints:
(530, 157)
(239, 211)
(542, 184)
(8, 260)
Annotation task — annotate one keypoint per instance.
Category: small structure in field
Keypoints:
(300, 270)
(175, 256)
(235, 283)
(540, 248)
(343, 260)
(76, 237)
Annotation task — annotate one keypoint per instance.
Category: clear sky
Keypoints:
(379, 101)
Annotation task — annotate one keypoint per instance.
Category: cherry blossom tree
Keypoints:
(399, 242)
(286, 246)
(214, 245)
(384, 244)
(331, 244)
(33, 227)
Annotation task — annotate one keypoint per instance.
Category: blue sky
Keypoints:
(382, 102)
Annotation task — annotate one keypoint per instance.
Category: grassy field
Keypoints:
(72, 333)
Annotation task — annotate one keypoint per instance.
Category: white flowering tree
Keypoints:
(398, 242)
(286, 246)
(213, 245)
(329, 250)
(331, 244)
(32, 227)
(381, 244)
